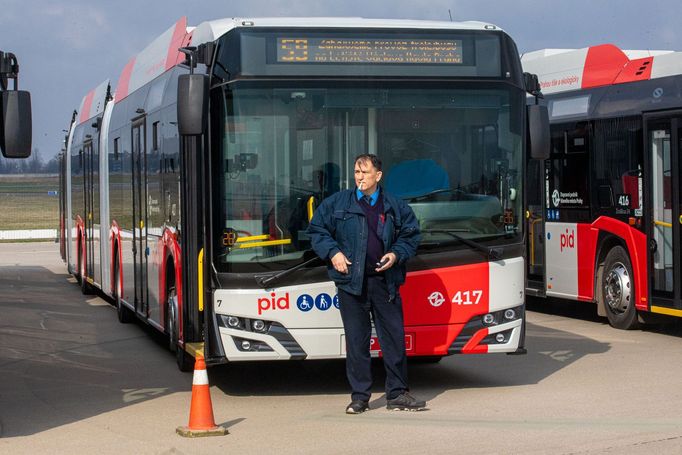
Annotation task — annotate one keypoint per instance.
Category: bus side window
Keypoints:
(116, 148)
(570, 159)
(617, 161)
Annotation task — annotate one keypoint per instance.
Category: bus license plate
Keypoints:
(409, 343)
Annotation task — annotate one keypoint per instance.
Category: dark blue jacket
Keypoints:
(339, 224)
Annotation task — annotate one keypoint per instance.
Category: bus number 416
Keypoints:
(467, 297)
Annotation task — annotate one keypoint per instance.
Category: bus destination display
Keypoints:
(369, 50)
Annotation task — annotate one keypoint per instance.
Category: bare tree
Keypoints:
(34, 164)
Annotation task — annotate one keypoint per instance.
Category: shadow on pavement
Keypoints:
(64, 357)
(549, 351)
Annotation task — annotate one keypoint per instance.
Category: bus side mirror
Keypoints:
(192, 104)
(15, 124)
(538, 131)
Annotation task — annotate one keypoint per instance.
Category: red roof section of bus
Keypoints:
(87, 105)
(180, 39)
(148, 64)
(124, 80)
(606, 65)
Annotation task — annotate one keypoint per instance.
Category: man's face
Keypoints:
(366, 176)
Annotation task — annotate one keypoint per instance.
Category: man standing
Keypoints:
(367, 235)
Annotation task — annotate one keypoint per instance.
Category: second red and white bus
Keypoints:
(605, 226)
(188, 195)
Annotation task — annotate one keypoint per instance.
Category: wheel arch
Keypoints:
(116, 256)
(171, 271)
(614, 232)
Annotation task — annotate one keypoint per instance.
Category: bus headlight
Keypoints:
(233, 322)
(509, 314)
(258, 325)
(489, 319)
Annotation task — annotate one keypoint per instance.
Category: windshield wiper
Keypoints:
(493, 254)
(267, 281)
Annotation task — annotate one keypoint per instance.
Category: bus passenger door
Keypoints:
(664, 214)
(535, 215)
(89, 208)
(140, 250)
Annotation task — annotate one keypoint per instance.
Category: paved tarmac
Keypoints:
(74, 380)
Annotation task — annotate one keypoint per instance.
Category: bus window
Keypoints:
(569, 160)
(617, 161)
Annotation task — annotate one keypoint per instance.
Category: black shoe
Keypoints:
(405, 402)
(357, 407)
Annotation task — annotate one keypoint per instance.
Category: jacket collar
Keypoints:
(354, 204)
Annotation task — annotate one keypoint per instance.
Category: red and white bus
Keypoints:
(189, 188)
(605, 227)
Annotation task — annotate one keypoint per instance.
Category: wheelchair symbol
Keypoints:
(304, 302)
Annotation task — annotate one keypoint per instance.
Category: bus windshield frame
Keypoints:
(453, 151)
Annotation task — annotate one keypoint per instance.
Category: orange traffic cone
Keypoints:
(201, 422)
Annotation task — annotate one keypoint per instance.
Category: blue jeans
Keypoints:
(388, 321)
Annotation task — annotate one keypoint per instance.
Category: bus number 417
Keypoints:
(467, 297)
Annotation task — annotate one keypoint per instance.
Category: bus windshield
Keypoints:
(453, 154)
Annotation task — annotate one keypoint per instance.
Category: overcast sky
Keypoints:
(66, 48)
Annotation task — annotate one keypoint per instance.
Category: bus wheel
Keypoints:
(618, 290)
(86, 289)
(184, 360)
(77, 272)
(125, 315)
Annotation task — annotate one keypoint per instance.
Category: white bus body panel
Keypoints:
(70, 234)
(507, 286)
(309, 312)
(561, 247)
(105, 222)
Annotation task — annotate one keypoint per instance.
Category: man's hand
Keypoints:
(340, 262)
(388, 260)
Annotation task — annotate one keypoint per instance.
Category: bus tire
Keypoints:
(125, 315)
(184, 360)
(82, 279)
(618, 290)
(77, 272)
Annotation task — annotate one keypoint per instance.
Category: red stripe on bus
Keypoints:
(603, 64)
(87, 105)
(124, 80)
(587, 249)
(636, 70)
(472, 346)
(176, 42)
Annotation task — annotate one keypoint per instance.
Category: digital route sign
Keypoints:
(369, 51)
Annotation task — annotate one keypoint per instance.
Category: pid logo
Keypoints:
(567, 240)
(273, 303)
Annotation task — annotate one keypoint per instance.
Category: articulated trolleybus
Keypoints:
(606, 228)
(190, 187)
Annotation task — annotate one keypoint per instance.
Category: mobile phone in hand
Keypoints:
(382, 263)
